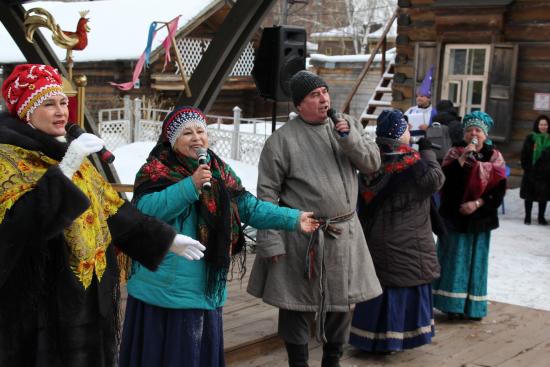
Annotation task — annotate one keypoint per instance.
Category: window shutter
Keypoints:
(500, 90)
(426, 55)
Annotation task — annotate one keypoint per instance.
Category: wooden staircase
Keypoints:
(381, 98)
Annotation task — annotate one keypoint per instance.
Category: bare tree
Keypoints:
(363, 14)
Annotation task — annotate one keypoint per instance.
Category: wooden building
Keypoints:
(338, 41)
(489, 55)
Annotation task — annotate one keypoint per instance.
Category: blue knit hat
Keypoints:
(391, 124)
(479, 119)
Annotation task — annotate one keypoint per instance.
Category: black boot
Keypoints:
(298, 355)
(542, 209)
(332, 352)
(528, 207)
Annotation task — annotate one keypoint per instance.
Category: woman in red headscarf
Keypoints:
(58, 221)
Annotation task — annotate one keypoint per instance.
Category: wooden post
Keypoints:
(235, 143)
(136, 117)
(81, 81)
(383, 61)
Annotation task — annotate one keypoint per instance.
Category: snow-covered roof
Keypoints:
(390, 55)
(119, 28)
(335, 32)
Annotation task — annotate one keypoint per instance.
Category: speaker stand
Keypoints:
(274, 117)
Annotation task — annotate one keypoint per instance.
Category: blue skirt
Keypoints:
(400, 318)
(462, 285)
(163, 337)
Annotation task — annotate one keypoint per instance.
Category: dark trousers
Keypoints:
(295, 326)
(529, 207)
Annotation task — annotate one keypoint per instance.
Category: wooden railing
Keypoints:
(365, 70)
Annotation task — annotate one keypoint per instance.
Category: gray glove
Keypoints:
(79, 149)
(187, 247)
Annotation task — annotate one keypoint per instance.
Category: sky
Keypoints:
(519, 256)
(119, 28)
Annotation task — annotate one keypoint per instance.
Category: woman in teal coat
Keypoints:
(174, 315)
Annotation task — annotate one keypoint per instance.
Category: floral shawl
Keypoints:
(219, 224)
(88, 236)
(483, 174)
(398, 164)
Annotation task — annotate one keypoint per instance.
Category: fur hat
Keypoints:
(28, 86)
(391, 124)
(179, 119)
(302, 83)
(479, 119)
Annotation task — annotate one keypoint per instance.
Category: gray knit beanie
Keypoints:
(302, 83)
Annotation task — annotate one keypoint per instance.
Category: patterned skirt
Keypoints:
(400, 318)
(462, 286)
(162, 337)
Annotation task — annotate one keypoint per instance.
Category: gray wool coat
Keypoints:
(312, 168)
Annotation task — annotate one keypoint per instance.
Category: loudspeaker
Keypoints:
(281, 54)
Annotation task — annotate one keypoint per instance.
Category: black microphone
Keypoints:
(332, 114)
(74, 131)
(473, 154)
(202, 159)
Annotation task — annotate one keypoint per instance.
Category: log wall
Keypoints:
(524, 22)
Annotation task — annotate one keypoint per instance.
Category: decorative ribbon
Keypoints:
(144, 58)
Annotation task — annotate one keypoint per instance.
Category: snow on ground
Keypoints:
(519, 264)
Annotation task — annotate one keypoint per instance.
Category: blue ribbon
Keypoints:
(152, 31)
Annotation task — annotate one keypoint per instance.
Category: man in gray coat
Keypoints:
(311, 163)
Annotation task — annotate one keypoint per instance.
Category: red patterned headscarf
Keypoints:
(28, 86)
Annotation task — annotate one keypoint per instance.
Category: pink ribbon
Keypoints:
(166, 44)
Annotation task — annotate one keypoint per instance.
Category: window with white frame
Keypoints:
(465, 75)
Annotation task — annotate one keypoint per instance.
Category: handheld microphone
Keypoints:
(473, 154)
(332, 114)
(202, 159)
(74, 131)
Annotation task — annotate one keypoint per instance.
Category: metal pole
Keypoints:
(285, 12)
(274, 116)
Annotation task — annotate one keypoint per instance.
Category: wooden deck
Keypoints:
(511, 336)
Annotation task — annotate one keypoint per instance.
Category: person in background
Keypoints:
(59, 224)
(312, 162)
(535, 161)
(475, 184)
(174, 315)
(394, 209)
(446, 128)
(420, 116)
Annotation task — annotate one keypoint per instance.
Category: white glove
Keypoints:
(79, 149)
(187, 247)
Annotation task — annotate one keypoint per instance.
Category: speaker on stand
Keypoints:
(280, 55)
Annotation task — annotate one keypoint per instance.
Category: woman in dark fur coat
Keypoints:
(59, 222)
(535, 161)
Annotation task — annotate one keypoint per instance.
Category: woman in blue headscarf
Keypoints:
(475, 183)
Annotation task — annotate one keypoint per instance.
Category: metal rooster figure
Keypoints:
(78, 40)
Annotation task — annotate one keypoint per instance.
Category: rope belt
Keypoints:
(317, 244)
